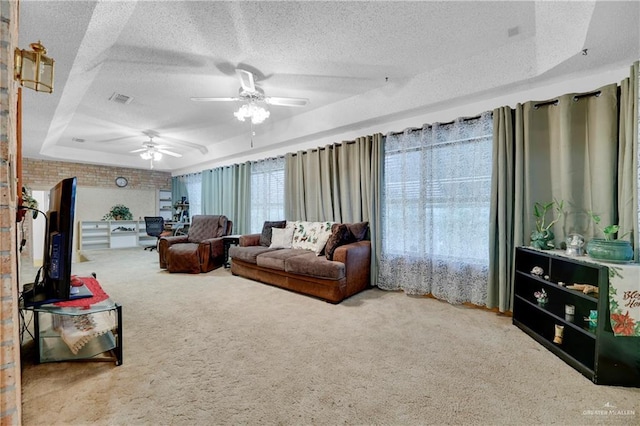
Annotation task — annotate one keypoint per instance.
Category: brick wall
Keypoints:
(10, 388)
(42, 174)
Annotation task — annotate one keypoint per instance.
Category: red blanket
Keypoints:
(94, 287)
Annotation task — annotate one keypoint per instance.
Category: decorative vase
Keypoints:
(542, 301)
(610, 250)
(558, 334)
(542, 240)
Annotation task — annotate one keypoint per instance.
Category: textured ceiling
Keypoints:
(357, 63)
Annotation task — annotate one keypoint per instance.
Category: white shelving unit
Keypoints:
(94, 235)
(102, 234)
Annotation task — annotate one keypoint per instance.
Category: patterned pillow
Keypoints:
(311, 235)
(340, 235)
(359, 230)
(265, 237)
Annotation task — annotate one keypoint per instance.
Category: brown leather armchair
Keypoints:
(201, 250)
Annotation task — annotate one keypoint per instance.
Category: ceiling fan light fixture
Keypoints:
(151, 154)
(256, 113)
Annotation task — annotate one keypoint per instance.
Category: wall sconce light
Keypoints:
(33, 69)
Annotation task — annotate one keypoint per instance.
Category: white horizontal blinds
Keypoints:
(267, 192)
(435, 213)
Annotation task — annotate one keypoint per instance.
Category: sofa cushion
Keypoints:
(359, 230)
(315, 266)
(265, 236)
(248, 254)
(311, 235)
(276, 259)
(281, 238)
(340, 235)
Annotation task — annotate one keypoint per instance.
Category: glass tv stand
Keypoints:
(69, 333)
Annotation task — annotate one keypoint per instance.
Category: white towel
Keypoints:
(78, 330)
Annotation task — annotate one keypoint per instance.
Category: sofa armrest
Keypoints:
(173, 239)
(249, 240)
(357, 263)
(165, 243)
(216, 246)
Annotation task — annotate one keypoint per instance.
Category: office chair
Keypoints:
(154, 226)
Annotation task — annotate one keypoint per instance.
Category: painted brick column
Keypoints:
(10, 387)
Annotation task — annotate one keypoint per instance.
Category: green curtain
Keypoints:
(501, 227)
(569, 152)
(340, 183)
(628, 157)
(178, 188)
(227, 191)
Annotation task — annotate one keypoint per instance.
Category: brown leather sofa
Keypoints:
(303, 271)
(201, 250)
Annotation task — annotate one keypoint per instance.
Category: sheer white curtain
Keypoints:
(193, 182)
(435, 210)
(267, 192)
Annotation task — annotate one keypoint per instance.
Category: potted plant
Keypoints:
(118, 212)
(542, 238)
(29, 201)
(611, 248)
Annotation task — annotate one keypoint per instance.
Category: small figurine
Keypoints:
(537, 271)
(575, 243)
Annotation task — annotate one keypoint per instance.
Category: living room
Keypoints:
(290, 394)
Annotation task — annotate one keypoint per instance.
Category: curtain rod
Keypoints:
(413, 129)
(322, 148)
(576, 98)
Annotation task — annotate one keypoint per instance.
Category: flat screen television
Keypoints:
(53, 283)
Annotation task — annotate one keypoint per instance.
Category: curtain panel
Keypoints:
(502, 215)
(568, 150)
(340, 183)
(227, 191)
(435, 210)
(179, 188)
(628, 156)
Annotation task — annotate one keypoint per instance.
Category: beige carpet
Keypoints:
(216, 349)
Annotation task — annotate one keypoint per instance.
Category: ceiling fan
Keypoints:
(251, 95)
(153, 152)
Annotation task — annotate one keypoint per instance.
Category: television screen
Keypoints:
(58, 248)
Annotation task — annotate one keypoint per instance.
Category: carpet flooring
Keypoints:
(213, 349)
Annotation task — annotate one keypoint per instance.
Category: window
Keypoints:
(267, 192)
(436, 203)
(193, 183)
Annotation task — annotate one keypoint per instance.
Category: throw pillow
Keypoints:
(265, 236)
(359, 230)
(311, 235)
(281, 237)
(340, 235)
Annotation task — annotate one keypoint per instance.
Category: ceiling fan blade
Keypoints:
(246, 80)
(292, 102)
(171, 153)
(139, 150)
(215, 99)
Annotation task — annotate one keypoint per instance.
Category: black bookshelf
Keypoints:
(592, 350)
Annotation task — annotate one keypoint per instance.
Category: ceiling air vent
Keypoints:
(121, 99)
